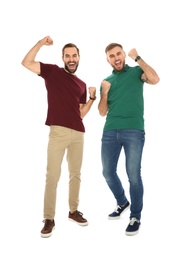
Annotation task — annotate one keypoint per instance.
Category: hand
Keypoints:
(105, 86)
(133, 54)
(92, 91)
(46, 41)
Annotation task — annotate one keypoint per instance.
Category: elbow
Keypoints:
(156, 80)
(102, 113)
(81, 115)
(153, 81)
(102, 110)
(24, 63)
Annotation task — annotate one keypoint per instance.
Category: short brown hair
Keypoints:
(70, 45)
(112, 45)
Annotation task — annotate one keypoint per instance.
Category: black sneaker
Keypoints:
(133, 227)
(49, 225)
(118, 211)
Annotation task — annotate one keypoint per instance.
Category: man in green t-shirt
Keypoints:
(122, 103)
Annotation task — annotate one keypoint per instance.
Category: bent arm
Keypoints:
(29, 60)
(149, 76)
(84, 108)
(103, 105)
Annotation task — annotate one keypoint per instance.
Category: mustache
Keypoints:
(69, 70)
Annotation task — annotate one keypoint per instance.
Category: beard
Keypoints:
(69, 70)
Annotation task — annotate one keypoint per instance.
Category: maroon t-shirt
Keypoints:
(64, 94)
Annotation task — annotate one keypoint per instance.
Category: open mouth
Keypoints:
(72, 65)
(118, 63)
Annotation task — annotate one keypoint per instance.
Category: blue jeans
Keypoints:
(132, 141)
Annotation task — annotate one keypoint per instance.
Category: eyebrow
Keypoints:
(112, 55)
(67, 55)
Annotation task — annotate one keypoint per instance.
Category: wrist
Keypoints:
(137, 58)
(92, 98)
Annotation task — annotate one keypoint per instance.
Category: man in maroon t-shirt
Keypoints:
(67, 107)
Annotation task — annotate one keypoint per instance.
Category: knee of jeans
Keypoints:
(135, 180)
(106, 174)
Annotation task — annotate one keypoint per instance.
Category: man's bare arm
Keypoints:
(29, 60)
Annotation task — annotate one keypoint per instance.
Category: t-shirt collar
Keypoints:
(126, 67)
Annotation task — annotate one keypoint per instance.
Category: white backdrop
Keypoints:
(155, 28)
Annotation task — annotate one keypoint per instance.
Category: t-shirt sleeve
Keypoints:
(83, 97)
(45, 70)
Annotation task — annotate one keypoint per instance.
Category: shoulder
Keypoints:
(108, 78)
(47, 69)
(79, 80)
(135, 70)
(48, 65)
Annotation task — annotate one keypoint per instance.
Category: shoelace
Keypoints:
(133, 220)
(80, 213)
(47, 223)
(116, 209)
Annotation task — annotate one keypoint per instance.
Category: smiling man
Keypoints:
(67, 106)
(122, 103)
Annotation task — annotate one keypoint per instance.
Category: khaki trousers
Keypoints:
(63, 139)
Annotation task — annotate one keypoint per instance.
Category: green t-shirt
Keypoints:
(125, 100)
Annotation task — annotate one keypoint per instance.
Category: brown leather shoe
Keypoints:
(48, 227)
(77, 217)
